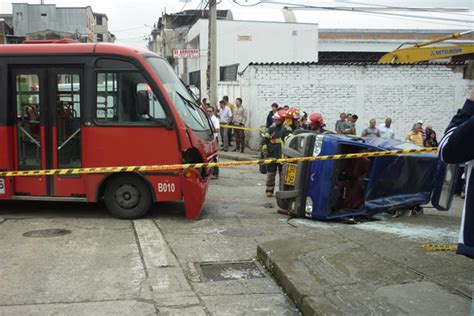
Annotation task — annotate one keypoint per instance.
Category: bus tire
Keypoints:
(127, 197)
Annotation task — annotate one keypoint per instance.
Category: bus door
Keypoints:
(48, 102)
(65, 105)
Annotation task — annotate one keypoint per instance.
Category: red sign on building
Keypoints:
(186, 53)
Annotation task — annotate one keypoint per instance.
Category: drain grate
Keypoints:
(225, 271)
(55, 232)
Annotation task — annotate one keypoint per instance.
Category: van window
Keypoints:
(125, 97)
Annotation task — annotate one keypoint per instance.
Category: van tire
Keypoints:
(127, 197)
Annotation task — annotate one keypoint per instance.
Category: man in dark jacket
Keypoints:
(457, 147)
(273, 142)
(270, 115)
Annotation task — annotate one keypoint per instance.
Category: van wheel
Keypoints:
(127, 197)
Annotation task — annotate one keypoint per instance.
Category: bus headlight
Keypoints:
(309, 207)
(317, 145)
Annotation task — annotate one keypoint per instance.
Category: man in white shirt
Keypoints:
(215, 123)
(214, 120)
(386, 130)
(225, 117)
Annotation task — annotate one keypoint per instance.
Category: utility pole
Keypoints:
(212, 54)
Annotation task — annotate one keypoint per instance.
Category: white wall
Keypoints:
(405, 93)
(270, 42)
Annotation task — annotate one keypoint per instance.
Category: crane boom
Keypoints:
(419, 51)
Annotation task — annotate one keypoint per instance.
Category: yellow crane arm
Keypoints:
(419, 51)
(417, 54)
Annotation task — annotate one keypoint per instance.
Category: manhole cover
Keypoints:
(241, 232)
(55, 232)
(210, 272)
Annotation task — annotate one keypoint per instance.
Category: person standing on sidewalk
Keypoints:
(225, 118)
(415, 136)
(215, 123)
(232, 108)
(340, 123)
(240, 119)
(271, 114)
(456, 147)
(272, 145)
(372, 130)
(386, 130)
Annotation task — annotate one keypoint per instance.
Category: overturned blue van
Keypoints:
(332, 189)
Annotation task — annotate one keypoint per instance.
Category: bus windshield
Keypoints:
(185, 104)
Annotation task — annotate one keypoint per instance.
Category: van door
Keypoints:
(445, 184)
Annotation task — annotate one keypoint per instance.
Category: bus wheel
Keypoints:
(127, 197)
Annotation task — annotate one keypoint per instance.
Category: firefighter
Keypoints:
(316, 123)
(273, 142)
(291, 118)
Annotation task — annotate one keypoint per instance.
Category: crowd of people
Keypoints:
(229, 121)
(283, 121)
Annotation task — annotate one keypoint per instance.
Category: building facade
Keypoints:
(102, 28)
(81, 21)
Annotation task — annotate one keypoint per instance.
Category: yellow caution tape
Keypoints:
(244, 128)
(436, 247)
(51, 172)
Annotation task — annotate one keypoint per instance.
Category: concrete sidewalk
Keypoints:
(372, 268)
(238, 156)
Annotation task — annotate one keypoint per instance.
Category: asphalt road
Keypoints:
(96, 265)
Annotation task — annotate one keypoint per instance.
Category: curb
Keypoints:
(230, 156)
(288, 284)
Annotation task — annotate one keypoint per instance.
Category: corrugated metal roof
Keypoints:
(355, 63)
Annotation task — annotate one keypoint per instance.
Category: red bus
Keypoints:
(70, 105)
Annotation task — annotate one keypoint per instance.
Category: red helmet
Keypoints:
(293, 113)
(316, 120)
(279, 115)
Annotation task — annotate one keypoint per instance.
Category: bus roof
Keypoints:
(53, 48)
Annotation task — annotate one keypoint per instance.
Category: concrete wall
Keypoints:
(242, 42)
(406, 93)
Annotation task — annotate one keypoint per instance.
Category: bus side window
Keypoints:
(125, 97)
(155, 109)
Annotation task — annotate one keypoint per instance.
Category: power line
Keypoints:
(348, 9)
(440, 10)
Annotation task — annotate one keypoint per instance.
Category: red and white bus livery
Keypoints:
(70, 105)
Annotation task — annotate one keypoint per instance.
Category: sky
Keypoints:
(131, 20)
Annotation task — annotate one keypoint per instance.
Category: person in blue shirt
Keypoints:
(456, 147)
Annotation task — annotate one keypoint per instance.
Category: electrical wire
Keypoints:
(248, 5)
(306, 6)
(185, 4)
(130, 29)
(440, 10)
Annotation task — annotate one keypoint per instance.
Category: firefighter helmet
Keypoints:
(280, 116)
(316, 120)
(293, 113)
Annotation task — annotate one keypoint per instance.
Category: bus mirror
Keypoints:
(168, 124)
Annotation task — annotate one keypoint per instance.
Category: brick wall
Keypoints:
(406, 93)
